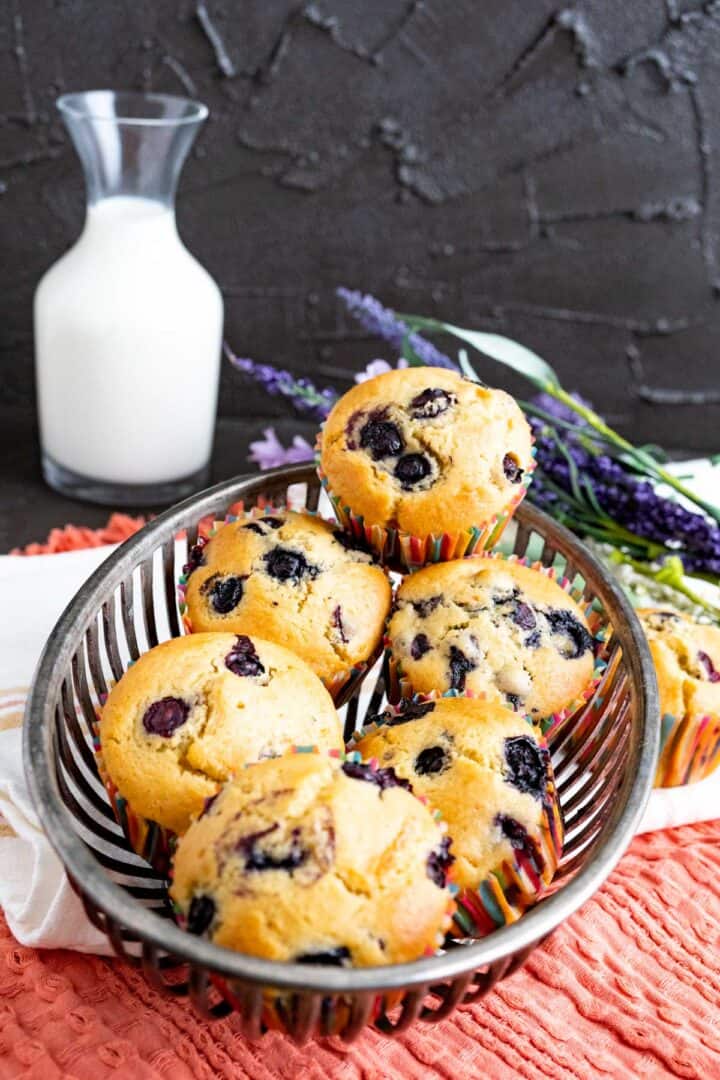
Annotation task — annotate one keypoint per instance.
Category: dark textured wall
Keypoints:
(548, 172)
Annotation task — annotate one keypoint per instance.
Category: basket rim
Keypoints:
(149, 927)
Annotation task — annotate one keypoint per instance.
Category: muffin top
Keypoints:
(194, 710)
(493, 627)
(311, 859)
(484, 767)
(426, 451)
(293, 579)
(686, 654)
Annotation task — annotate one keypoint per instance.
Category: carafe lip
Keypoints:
(117, 107)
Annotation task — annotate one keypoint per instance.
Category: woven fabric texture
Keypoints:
(630, 987)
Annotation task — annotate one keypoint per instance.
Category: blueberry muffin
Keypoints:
(488, 771)
(194, 710)
(494, 627)
(687, 662)
(294, 579)
(424, 464)
(318, 860)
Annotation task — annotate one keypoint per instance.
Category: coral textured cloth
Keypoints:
(630, 987)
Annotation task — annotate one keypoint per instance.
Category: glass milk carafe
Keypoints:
(128, 325)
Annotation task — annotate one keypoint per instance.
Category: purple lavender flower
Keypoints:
(269, 452)
(384, 323)
(628, 500)
(558, 409)
(378, 367)
(304, 395)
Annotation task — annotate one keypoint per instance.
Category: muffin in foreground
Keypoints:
(194, 710)
(292, 578)
(425, 465)
(317, 860)
(687, 662)
(493, 627)
(488, 771)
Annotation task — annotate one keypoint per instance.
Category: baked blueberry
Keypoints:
(338, 624)
(524, 616)
(419, 646)
(433, 759)
(243, 659)
(412, 470)
(281, 855)
(526, 765)
(532, 641)
(712, 674)
(337, 957)
(431, 402)
(426, 607)
(564, 623)
(200, 914)
(382, 778)
(411, 710)
(512, 469)
(512, 830)
(505, 597)
(382, 438)
(196, 557)
(460, 667)
(209, 803)
(284, 564)
(225, 593)
(439, 862)
(165, 716)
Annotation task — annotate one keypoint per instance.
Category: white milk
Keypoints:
(128, 330)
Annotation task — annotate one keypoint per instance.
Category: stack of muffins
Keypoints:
(223, 751)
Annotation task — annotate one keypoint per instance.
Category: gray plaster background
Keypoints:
(546, 171)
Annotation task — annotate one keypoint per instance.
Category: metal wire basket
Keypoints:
(604, 760)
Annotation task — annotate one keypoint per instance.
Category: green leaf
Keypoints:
(506, 351)
(510, 353)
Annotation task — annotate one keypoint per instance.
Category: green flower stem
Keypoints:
(671, 573)
(641, 456)
(541, 375)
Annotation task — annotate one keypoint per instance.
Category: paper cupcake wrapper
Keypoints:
(334, 1014)
(342, 685)
(150, 841)
(518, 883)
(689, 749)
(399, 686)
(401, 550)
(277, 1009)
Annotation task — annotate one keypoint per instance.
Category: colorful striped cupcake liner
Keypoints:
(399, 550)
(148, 839)
(518, 883)
(399, 686)
(342, 685)
(689, 749)
(276, 1014)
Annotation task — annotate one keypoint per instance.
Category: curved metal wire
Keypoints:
(606, 760)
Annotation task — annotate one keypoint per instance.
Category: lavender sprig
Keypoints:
(600, 495)
(382, 322)
(301, 392)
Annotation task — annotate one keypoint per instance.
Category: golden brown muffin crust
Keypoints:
(426, 451)
(296, 860)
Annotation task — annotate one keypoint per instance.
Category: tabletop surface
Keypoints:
(29, 509)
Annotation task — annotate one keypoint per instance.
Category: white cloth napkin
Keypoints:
(39, 905)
